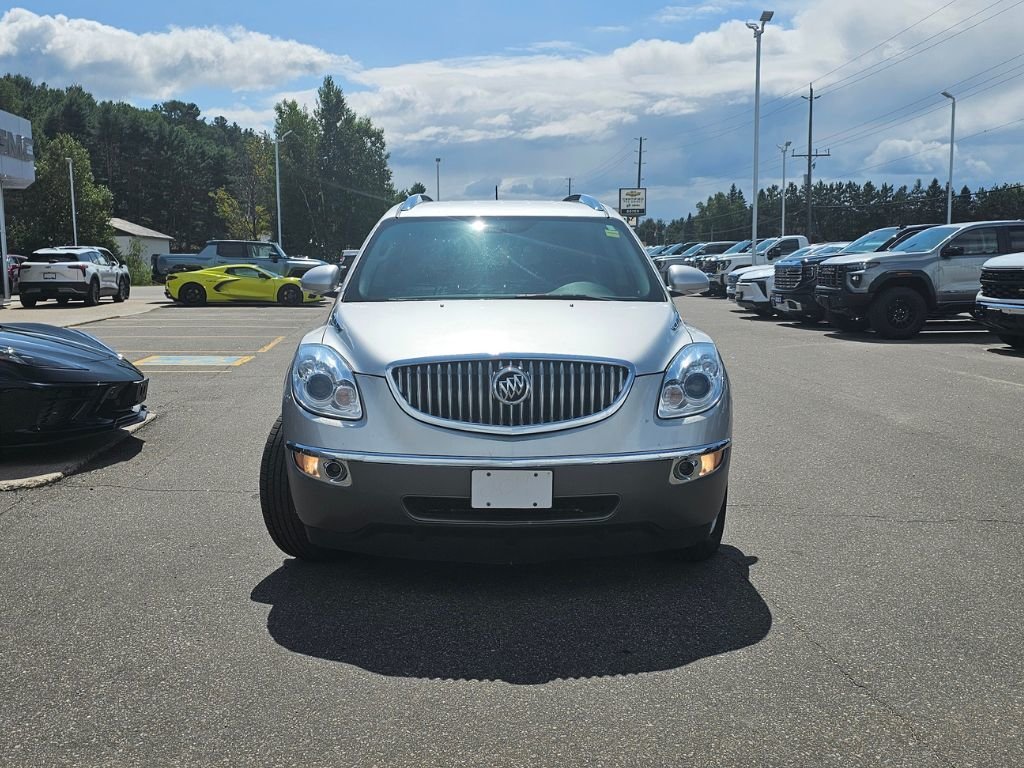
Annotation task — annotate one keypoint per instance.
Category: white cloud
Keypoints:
(674, 14)
(116, 63)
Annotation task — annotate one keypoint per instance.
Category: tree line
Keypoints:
(171, 169)
(840, 211)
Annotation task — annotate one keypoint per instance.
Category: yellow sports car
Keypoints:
(235, 282)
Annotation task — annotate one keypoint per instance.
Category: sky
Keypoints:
(527, 95)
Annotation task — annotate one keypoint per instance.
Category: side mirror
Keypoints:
(322, 280)
(774, 252)
(952, 250)
(683, 281)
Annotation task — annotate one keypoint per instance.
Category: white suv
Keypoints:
(73, 272)
(1000, 302)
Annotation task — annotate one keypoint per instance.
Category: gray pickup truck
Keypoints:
(216, 253)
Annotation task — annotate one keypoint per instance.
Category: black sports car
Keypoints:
(59, 383)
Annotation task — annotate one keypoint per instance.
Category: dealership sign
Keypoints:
(17, 152)
(633, 201)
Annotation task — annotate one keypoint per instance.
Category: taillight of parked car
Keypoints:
(81, 267)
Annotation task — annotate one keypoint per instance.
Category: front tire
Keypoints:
(1017, 342)
(283, 524)
(706, 549)
(290, 296)
(898, 313)
(27, 301)
(192, 295)
(92, 297)
(846, 324)
(122, 291)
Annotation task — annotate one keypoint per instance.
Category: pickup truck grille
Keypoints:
(1002, 283)
(830, 276)
(788, 278)
(560, 392)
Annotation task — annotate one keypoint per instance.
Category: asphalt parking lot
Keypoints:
(866, 609)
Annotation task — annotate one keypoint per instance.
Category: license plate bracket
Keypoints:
(49, 275)
(511, 489)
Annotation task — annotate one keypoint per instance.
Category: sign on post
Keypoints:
(17, 171)
(633, 201)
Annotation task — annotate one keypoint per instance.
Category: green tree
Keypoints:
(41, 214)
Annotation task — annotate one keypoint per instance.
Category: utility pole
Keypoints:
(74, 213)
(785, 149)
(811, 154)
(569, 179)
(437, 189)
(952, 136)
(495, 191)
(640, 163)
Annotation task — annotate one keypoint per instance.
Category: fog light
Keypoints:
(684, 469)
(709, 462)
(336, 471)
(309, 465)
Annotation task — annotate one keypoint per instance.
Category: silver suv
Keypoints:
(935, 273)
(499, 381)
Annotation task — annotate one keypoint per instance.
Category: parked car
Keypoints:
(14, 263)
(216, 253)
(754, 290)
(436, 410)
(770, 249)
(935, 273)
(72, 272)
(235, 283)
(1000, 303)
(795, 275)
(688, 256)
(60, 383)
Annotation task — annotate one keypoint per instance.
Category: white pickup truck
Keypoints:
(73, 272)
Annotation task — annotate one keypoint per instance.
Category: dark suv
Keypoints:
(793, 292)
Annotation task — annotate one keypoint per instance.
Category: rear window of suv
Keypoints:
(503, 258)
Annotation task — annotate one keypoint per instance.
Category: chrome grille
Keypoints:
(830, 276)
(561, 391)
(1002, 283)
(788, 278)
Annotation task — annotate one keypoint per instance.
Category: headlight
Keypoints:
(693, 383)
(856, 271)
(323, 383)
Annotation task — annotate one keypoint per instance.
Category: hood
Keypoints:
(757, 273)
(50, 352)
(1009, 261)
(373, 335)
(857, 258)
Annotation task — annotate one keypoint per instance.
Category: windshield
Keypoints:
(692, 250)
(764, 245)
(926, 239)
(740, 247)
(503, 258)
(872, 241)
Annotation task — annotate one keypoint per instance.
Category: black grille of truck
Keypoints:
(830, 276)
(788, 278)
(1002, 283)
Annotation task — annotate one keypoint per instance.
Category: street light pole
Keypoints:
(758, 30)
(784, 148)
(74, 213)
(952, 135)
(437, 188)
(277, 182)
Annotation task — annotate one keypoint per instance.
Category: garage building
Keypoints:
(152, 241)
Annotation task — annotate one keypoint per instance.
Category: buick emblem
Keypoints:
(510, 385)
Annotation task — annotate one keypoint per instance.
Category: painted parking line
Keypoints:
(271, 345)
(231, 361)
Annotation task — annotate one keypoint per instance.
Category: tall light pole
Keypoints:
(277, 181)
(952, 135)
(784, 148)
(758, 30)
(437, 188)
(74, 213)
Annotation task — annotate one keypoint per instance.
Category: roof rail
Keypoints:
(587, 200)
(412, 201)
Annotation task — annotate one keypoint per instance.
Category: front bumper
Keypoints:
(796, 304)
(751, 296)
(842, 302)
(52, 290)
(1000, 316)
(408, 485)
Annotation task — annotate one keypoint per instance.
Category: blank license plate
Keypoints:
(511, 489)
(49, 275)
